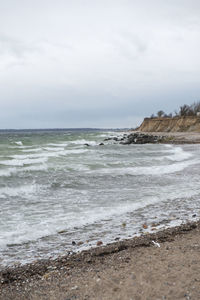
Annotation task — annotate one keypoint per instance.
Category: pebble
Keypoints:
(99, 243)
(145, 226)
(74, 287)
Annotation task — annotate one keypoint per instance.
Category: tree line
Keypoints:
(184, 110)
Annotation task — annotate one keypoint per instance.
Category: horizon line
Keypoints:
(63, 128)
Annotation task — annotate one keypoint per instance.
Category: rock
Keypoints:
(145, 226)
(62, 231)
(86, 144)
(124, 224)
(99, 243)
(73, 243)
(101, 144)
(194, 215)
(140, 138)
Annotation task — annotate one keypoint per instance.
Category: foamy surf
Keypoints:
(54, 188)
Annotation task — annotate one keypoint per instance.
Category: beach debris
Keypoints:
(145, 226)
(99, 243)
(74, 287)
(156, 244)
(73, 243)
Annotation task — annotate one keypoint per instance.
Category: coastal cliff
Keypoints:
(175, 124)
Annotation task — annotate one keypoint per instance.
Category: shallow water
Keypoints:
(54, 189)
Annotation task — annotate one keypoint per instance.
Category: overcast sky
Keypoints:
(96, 63)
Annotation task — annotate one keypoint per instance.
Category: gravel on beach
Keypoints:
(162, 265)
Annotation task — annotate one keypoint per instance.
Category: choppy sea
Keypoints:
(54, 190)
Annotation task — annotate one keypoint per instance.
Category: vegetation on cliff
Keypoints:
(185, 110)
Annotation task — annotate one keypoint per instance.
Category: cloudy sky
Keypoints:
(96, 63)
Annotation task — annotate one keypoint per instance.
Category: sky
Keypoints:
(96, 63)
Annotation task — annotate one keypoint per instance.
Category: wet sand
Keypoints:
(162, 265)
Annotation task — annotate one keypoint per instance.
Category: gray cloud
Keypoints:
(90, 62)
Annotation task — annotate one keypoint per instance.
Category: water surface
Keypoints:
(54, 190)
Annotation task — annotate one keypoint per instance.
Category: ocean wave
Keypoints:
(152, 170)
(83, 141)
(179, 154)
(15, 170)
(55, 149)
(18, 191)
(19, 143)
(22, 162)
(7, 172)
(31, 150)
(58, 144)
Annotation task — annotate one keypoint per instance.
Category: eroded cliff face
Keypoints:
(176, 124)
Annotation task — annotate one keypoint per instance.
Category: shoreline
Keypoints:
(176, 137)
(147, 137)
(16, 282)
(71, 276)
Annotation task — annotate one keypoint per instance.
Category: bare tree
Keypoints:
(160, 113)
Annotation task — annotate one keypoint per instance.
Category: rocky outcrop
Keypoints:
(137, 138)
(176, 124)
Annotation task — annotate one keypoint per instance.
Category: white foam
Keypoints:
(53, 148)
(32, 150)
(152, 170)
(19, 143)
(16, 191)
(179, 154)
(48, 154)
(58, 144)
(83, 141)
(27, 232)
(22, 162)
(36, 168)
(7, 172)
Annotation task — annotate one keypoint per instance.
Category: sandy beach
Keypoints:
(162, 265)
(178, 137)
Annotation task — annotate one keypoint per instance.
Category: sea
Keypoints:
(61, 191)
